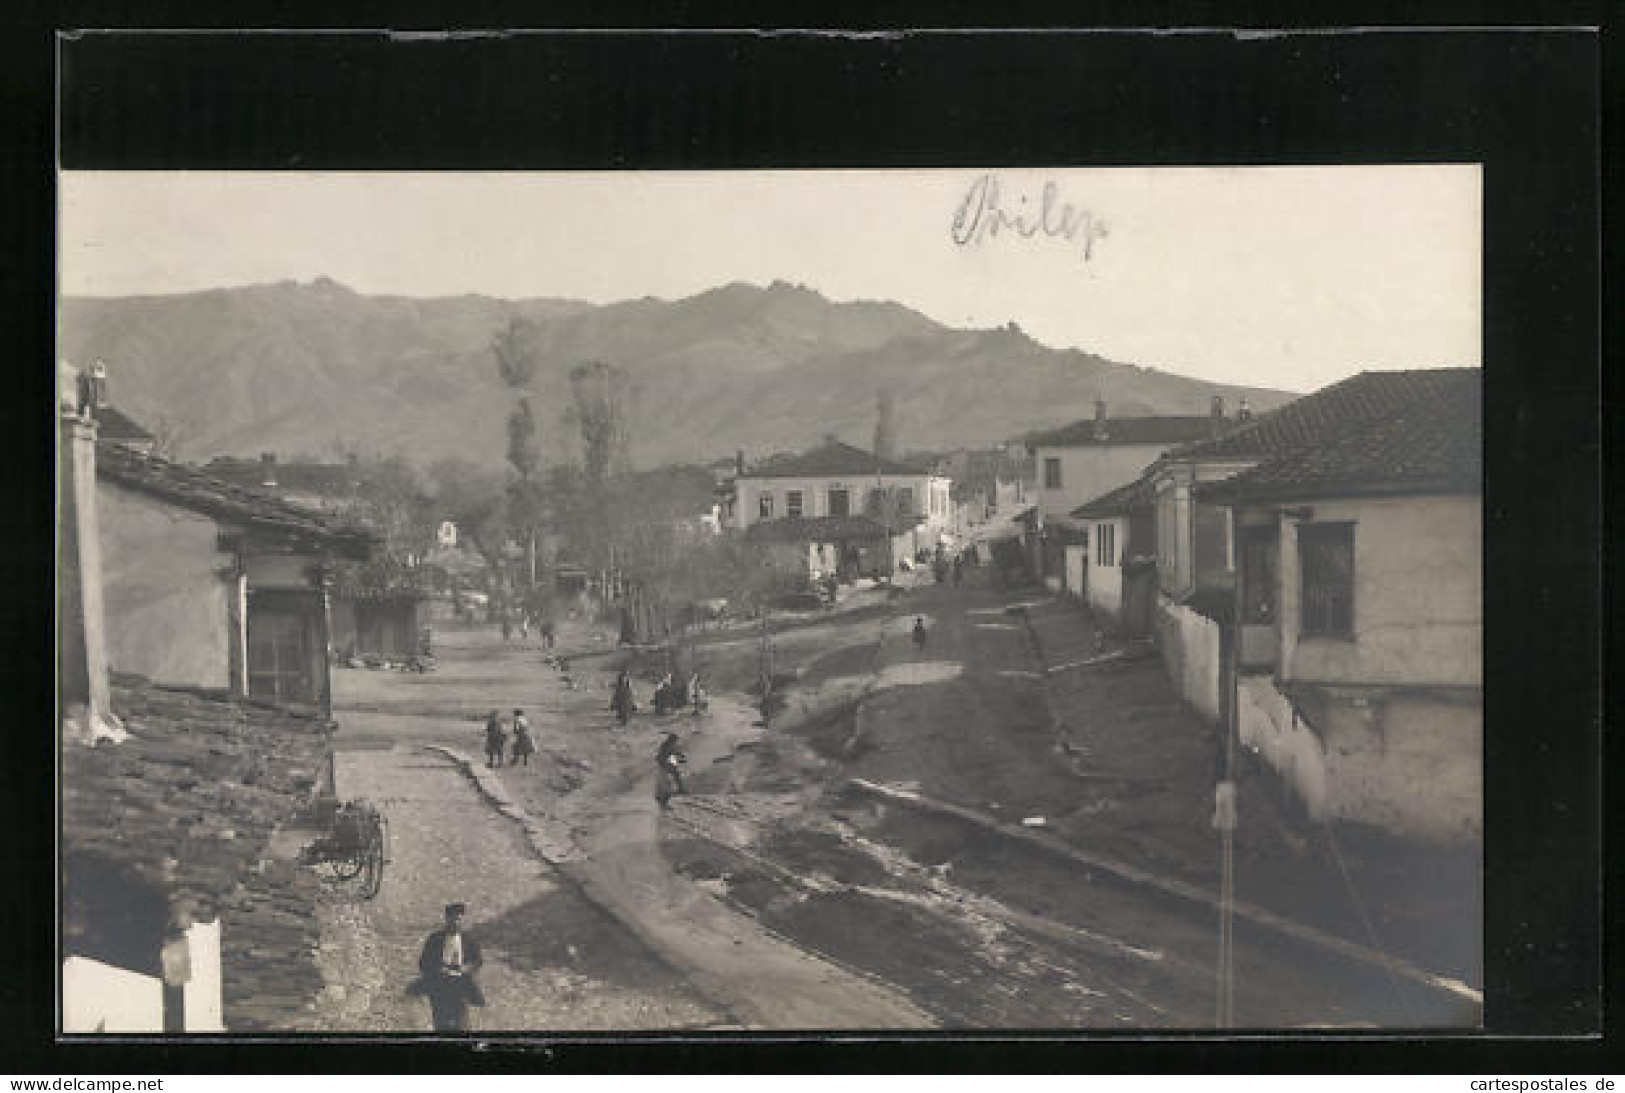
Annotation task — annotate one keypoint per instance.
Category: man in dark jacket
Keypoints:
(669, 762)
(449, 960)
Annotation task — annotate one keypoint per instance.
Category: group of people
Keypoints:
(505, 735)
(670, 695)
(524, 624)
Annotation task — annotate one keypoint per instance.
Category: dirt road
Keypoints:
(775, 895)
(553, 959)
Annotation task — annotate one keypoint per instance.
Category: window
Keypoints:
(1052, 473)
(792, 503)
(874, 504)
(764, 506)
(1326, 555)
(1106, 544)
(905, 501)
(840, 503)
(1258, 555)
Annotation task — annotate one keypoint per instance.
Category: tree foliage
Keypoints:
(475, 499)
(601, 396)
(515, 349)
(524, 446)
(392, 497)
(886, 425)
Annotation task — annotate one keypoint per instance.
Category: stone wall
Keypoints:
(1190, 646)
(1408, 763)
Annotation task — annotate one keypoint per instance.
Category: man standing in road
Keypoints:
(669, 762)
(447, 964)
(523, 746)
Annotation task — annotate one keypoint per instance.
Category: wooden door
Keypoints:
(282, 647)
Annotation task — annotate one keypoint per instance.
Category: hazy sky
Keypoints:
(1282, 277)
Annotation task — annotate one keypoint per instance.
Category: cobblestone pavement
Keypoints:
(553, 960)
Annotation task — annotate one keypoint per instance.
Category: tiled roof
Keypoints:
(1347, 407)
(190, 488)
(1434, 446)
(1383, 432)
(185, 806)
(816, 529)
(115, 425)
(332, 479)
(832, 458)
(1129, 430)
(1138, 494)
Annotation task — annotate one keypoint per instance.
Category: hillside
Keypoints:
(317, 367)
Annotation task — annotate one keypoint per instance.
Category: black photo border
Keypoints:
(1523, 102)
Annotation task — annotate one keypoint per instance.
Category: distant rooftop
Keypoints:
(1099, 432)
(830, 459)
(816, 529)
(329, 479)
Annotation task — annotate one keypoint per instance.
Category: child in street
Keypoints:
(495, 740)
(523, 746)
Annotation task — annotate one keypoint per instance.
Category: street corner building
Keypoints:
(1313, 577)
(193, 715)
(840, 509)
(1085, 459)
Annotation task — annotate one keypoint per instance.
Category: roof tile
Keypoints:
(828, 459)
(187, 803)
(190, 488)
(1377, 432)
(1129, 430)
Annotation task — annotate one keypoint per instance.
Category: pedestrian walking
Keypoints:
(547, 633)
(919, 633)
(622, 701)
(959, 570)
(669, 762)
(507, 628)
(524, 627)
(665, 695)
(446, 968)
(496, 741)
(523, 746)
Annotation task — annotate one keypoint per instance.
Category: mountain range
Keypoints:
(317, 369)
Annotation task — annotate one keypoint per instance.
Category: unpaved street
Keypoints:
(552, 959)
(780, 893)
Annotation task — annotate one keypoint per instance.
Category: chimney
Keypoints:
(1217, 410)
(739, 462)
(1100, 419)
(268, 469)
(81, 621)
(1243, 411)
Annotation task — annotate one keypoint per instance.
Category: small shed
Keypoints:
(380, 611)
